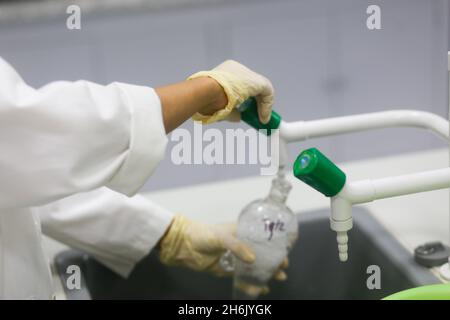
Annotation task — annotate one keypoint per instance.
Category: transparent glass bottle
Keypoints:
(270, 228)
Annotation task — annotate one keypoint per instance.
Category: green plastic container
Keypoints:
(316, 170)
(249, 114)
(431, 292)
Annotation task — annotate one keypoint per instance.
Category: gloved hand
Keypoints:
(239, 84)
(200, 246)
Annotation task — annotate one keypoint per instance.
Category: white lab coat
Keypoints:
(115, 229)
(70, 138)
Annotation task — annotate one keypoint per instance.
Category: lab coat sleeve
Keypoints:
(116, 230)
(70, 137)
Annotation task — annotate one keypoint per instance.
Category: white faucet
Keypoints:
(319, 172)
(364, 191)
(357, 192)
(303, 130)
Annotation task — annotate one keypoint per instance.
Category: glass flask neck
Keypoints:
(280, 189)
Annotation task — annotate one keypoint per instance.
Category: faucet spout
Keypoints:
(364, 191)
(342, 240)
(341, 222)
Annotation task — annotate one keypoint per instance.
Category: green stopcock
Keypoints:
(249, 114)
(316, 170)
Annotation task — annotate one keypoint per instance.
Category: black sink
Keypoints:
(314, 272)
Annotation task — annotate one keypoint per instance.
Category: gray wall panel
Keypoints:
(321, 57)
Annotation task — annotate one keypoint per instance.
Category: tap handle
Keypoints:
(249, 114)
(316, 170)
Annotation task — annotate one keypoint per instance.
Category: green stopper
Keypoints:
(316, 170)
(249, 114)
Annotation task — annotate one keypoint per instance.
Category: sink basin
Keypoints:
(314, 272)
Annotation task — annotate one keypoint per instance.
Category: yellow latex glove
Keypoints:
(252, 290)
(239, 84)
(200, 246)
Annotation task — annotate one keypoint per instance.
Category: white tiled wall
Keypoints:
(319, 54)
